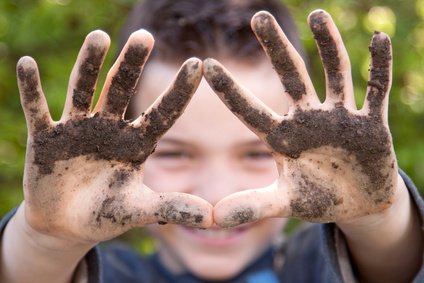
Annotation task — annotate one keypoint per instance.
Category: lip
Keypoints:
(216, 236)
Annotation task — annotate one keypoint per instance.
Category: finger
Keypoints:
(247, 107)
(380, 79)
(171, 104)
(122, 78)
(285, 59)
(33, 101)
(84, 75)
(334, 58)
(250, 206)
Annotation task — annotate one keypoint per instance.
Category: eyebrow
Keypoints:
(172, 141)
(253, 142)
(256, 142)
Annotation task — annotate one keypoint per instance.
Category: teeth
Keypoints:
(215, 234)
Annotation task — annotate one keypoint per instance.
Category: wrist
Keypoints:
(44, 241)
(394, 218)
(27, 255)
(388, 246)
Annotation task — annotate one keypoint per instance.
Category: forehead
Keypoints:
(207, 122)
(260, 79)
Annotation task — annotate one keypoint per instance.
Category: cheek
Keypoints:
(259, 178)
(161, 179)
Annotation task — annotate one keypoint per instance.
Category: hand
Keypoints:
(84, 174)
(335, 162)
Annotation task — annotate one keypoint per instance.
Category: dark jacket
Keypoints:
(315, 254)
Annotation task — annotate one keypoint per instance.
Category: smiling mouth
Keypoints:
(216, 235)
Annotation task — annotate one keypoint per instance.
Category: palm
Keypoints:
(335, 162)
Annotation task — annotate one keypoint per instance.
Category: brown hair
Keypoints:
(205, 28)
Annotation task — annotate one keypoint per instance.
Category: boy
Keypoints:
(87, 179)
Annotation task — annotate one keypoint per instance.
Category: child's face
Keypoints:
(211, 154)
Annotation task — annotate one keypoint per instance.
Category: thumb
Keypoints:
(250, 206)
(173, 208)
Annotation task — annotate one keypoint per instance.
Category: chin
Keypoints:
(215, 253)
(217, 269)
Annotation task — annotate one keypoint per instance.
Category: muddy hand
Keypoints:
(84, 174)
(335, 162)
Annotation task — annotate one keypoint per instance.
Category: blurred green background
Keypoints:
(52, 31)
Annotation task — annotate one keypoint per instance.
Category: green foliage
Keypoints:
(52, 31)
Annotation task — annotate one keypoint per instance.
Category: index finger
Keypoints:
(163, 113)
(256, 115)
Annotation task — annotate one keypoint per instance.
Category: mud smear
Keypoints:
(380, 73)
(313, 201)
(29, 82)
(328, 52)
(170, 212)
(363, 137)
(278, 52)
(119, 178)
(41, 123)
(160, 119)
(87, 77)
(239, 216)
(95, 137)
(112, 211)
(236, 102)
(123, 83)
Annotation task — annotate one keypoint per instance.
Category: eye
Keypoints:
(171, 154)
(257, 159)
(174, 155)
(175, 159)
(257, 155)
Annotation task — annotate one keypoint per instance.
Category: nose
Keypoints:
(215, 180)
